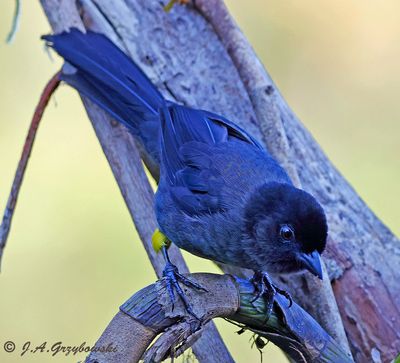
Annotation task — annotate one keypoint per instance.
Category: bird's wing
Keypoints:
(203, 158)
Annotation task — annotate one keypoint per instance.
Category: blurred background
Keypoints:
(73, 255)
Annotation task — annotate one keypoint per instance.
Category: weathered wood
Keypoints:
(167, 47)
(127, 336)
(363, 255)
(195, 63)
(291, 328)
(264, 99)
(123, 156)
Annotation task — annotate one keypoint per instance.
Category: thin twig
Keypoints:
(15, 22)
(26, 152)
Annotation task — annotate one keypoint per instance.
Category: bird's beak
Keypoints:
(312, 262)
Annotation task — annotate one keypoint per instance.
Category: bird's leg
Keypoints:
(266, 289)
(172, 276)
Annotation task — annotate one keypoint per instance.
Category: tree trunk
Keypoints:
(197, 56)
(362, 256)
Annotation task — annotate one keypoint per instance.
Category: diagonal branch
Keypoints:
(365, 287)
(23, 162)
(265, 99)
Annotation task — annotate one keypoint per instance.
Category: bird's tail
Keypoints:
(103, 73)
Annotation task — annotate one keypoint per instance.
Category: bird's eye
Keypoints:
(286, 233)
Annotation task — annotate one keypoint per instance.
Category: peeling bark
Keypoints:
(291, 328)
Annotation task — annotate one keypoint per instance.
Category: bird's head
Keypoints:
(288, 226)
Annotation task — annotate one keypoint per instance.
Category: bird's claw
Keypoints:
(172, 279)
(285, 294)
(266, 289)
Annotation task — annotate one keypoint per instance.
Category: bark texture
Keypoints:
(362, 256)
(197, 56)
(123, 156)
(291, 328)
